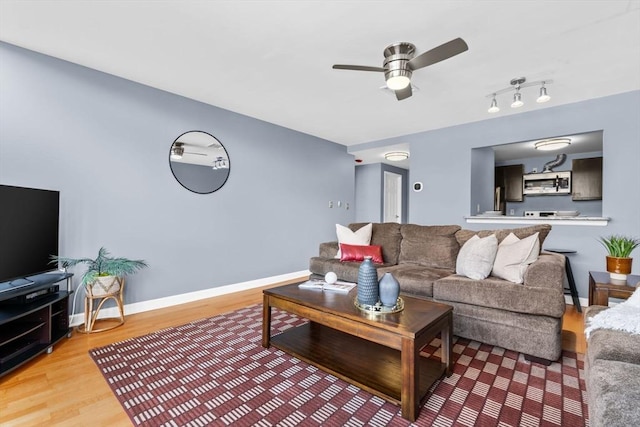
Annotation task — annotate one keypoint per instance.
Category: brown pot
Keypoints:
(619, 265)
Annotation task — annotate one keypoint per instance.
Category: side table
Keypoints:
(601, 288)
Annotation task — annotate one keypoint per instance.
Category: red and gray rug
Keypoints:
(215, 372)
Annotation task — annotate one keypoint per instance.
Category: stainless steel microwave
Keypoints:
(547, 183)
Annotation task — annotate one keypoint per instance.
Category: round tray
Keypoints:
(379, 308)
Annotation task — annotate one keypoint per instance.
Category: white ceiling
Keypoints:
(272, 59)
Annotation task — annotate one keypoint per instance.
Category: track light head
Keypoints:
(517, 100)
(543, 95)
(494, 105)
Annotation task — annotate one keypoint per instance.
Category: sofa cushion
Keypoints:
(429, 245)
(386, 235)
(414, 279)
(514, 256)
(357, 253)
(609, 344)
(476, 257)
(359, 236)
(613, 392)
(463, 235)
(501, 294)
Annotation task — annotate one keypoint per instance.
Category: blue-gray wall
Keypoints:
(104, 143)
(369, 192)
(441, 159)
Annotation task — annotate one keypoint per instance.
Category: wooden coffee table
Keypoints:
(379, 353)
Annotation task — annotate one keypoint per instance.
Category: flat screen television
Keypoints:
(29, 219)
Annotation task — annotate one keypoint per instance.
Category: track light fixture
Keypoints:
(516, 85)
(543, 95)
(220, 163)
(177, 151)
(494, 105)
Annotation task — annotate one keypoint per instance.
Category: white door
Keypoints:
(392, 197)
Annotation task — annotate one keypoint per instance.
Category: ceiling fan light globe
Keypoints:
(398, 82)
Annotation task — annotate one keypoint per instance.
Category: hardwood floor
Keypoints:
(65, 388)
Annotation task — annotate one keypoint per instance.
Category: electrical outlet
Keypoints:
(512, 211)
(346, 206)
(330, 204)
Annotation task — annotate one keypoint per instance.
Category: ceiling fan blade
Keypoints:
(357, 68)
(440, 53)
(403, 93)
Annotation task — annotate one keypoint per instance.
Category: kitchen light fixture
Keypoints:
(516, 85)
(177, 151)
(552, 144)
(396, 156)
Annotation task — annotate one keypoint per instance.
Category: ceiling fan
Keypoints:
(399, 63)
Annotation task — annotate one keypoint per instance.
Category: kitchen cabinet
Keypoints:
(587, 179)
(509, 180)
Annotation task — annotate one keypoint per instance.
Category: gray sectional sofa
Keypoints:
(523, 317)
(612, 368)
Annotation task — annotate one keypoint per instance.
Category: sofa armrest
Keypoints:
(328, 249)
(546, 272)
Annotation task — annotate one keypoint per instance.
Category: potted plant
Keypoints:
(104, 273)
(619, 261)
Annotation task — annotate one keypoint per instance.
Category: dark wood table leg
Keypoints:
(409, 399)
(601, 297)
(266, 322)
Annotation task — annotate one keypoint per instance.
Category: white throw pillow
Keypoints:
(514, 256)
(476, 257)
(361, 237)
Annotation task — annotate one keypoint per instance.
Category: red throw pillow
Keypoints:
(357, 253)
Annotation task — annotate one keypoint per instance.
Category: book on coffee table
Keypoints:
(339, 286)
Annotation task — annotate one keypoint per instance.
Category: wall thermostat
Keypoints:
(417, 187)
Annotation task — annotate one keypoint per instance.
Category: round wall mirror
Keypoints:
(199, 162)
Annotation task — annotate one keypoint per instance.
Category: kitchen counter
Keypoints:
(565, 220)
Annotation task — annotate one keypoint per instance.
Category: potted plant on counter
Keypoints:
(104, 273)
(619, 259)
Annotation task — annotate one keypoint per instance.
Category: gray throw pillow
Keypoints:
(476, 257)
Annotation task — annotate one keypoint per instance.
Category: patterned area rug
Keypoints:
(215, 372)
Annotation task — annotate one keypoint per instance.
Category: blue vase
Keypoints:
(389, 290)
(367, 282)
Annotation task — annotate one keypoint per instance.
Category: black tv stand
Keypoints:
(30, 326)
